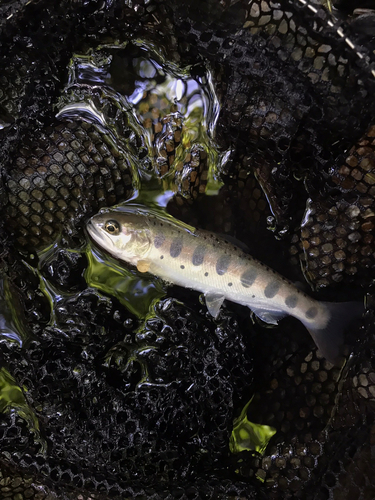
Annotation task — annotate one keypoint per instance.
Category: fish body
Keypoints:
(205, 262)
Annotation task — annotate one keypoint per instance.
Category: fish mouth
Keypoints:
(91, 229)
(98, 236)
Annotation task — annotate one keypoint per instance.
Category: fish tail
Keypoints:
(330, 339)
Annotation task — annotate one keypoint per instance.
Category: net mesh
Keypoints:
(105, 406)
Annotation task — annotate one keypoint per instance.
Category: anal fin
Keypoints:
(270, 317)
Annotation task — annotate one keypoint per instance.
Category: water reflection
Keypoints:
(110, 277)
(13, 326)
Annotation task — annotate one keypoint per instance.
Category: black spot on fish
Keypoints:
(206, 274)
(198, 255)
(230, 284)
(291, 301)
(271, 289)
(159, 240)
(248, 277)
(222, 264)
(311, 313)
(176, 247)
(162, 256)
(182, 267)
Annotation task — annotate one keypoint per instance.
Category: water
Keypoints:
(12, 401)
(12, 326)
(132, 92)
(174, 113)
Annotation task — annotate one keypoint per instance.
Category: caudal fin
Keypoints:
(330, 339)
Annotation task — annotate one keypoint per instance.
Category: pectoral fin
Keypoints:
(270, 317)
(213, 302)
(143, 266)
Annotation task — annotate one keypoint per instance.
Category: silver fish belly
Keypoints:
(205, 262)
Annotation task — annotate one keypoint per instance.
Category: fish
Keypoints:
(206, 262)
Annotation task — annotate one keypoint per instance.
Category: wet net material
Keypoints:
(96, 403)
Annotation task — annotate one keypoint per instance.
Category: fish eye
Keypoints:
(112, 227)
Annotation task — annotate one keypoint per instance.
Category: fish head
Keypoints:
(123, 235)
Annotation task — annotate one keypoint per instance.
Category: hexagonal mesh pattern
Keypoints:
(163, 399)
(61, 175)
(117, 408)
(337, 233)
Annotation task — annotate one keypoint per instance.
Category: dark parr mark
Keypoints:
(176, 247)
(248, 277)
(198, 255)
(159, 240)
(312, 312)
(271, 289)
(291, 301)
(222, 264)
